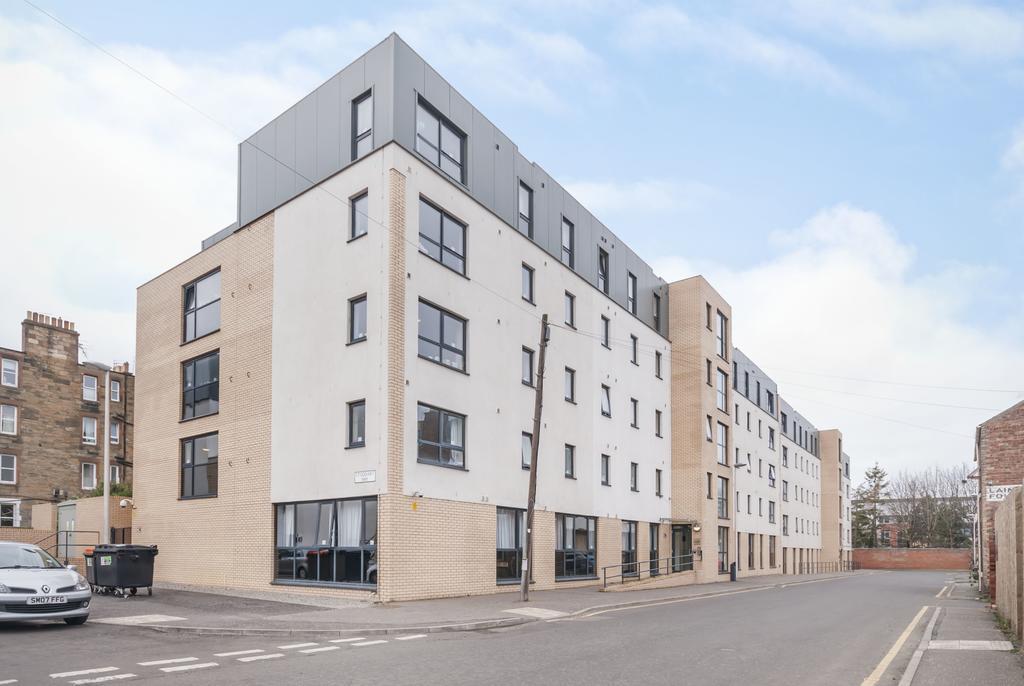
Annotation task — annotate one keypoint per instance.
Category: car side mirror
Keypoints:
(73, 568)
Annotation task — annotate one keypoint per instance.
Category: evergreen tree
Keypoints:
(867, 507)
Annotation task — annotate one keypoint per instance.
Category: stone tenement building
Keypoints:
(999, 452)
(51, 420)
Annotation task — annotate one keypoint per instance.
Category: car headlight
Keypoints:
(4, 589)
(82, 584)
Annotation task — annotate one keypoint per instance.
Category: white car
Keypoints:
(33, 585)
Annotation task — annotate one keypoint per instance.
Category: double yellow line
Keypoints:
(894, 650)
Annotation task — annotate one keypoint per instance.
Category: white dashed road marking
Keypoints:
(238, 652)
(409, 638)
(8, 681)
(177, 660)
(321, 649)
(103, 679)
(296, 645)
(185, 668)
(347, 640)
(253, 658)
(83, 672)
(369, 643)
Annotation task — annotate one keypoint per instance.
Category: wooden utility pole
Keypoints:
(538, 404)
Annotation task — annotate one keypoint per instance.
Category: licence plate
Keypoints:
(47, 600)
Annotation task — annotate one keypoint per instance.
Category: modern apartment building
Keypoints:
(836, 506)
(51, 420)
(338, 390)
(801, 490)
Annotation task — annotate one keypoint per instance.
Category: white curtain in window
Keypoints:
(285, 525)
(506, 528)
(350, 523)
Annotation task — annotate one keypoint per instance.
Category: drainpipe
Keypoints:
(105, 533)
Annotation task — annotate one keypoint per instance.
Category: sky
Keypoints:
(850, 176)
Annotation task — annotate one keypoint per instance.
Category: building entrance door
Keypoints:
(65, 531)
(682, 548)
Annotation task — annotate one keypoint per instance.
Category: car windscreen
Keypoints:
(26, 557)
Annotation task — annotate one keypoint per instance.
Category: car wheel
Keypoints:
(76, 621)
(133, 591)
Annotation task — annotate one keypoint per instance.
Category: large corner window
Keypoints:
(442, 237)
(525, 224)
(509, 549)
(202, 307)
(199, 466)
(362, 125)
(440, 141)
(442, 336)
(200, 393)
(440, 436)
(575, 546)
(331, 541)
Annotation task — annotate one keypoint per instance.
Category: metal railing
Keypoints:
(61, 544)
(826, 567)
(634, 571)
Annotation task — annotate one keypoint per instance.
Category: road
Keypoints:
(827, 632)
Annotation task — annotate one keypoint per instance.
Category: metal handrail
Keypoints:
(57, 545)
(636, 570)
(826, 567)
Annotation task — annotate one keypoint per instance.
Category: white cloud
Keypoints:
(844, 297)
(1013, 158)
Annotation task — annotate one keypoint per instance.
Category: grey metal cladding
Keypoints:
(744, 364)
(795, 418)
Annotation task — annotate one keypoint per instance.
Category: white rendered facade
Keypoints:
(801, 490)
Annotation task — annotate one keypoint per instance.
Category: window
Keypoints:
(736, 407)
(115, 432)
(525, 210)
(570, 461)
(723, 550)
(629, 549)
(8, 469)
(720, 388)
(359, 216)
(634, 349)
(526, 450)
(723, 444)
(527, 283)
(771, 475)
(785, 524)
(750, 551)
(760, 507)
(201, 386)
(635, 406)
(746, 384)
(575, 546)
(89, 388)
(710, 496)
(720, 335)
(771, 551)
(115, 474)
(657, 312)
(357, 424)
(785, 490)
(771, 438)
(9, 373)
(771, 511)
(634, 476)
(759, 428)
(511, 525)
(707, 309)
(606, 470)
(527, 366)
(606, 401)
(88, 476)
(331, 541)
(723, 498)
(438, 140)
(602, 270)
(362, 125)
(570, 384)
(202, 306)
(657, 482)
(199, 466)
(760, 467)
(568, 243)
(657, 364)
(10, 513)
(771, 403)
(709, 434)
(8, 420)
(89, 430)
(748, 501)
(606, 328)
(442, 336)
(357, 319)
(440, 436)
(657, 423)
(115, 391)
(785, 421)
(570, 309)
(442, 237)
(785, 456)
(631, 292)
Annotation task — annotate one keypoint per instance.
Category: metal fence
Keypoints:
(826, 567)
(634, 571)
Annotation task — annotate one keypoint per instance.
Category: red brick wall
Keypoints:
(1000, 462)
(912, 558)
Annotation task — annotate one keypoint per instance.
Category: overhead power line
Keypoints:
(899, 383)
(897, 400)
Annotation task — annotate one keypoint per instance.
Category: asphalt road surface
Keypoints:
(825, 632)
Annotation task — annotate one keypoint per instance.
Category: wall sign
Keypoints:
(997, 494)
(366, 477)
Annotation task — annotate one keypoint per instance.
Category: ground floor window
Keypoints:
(330, 541)
(723, 549)
(10, 514)
(575, 546)
(629, 548)
(510, 538)
(750, 551)
(771, 552)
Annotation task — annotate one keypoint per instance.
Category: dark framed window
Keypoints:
(200, 386)
(634, 348)
(527, 283)
(657, 482)
(631, 292)
(570, 461)
(199, 466)
(527, 366)
(440, 141)
(635, 407)
(657, 364)
(657, 423)
(606, 401)
(357, 319)
(606, 330)
(575, 546)
(602, 270)
(511, 524)
(657, 312)
(526, 450)
(570, 309)
(202, 307)
(362, 125)
(357, 424)
(329, 541)
(570, 384)
(721, 339)
(525, 225)
(723, 498)
(360, 215)
(442, 237)
(441, 437)
(723, 550)
(722, 445)
(722, 384)
(442, 336)
(568, 243)
(629, 566)
(606, 468)
(634, 476)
